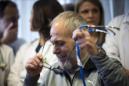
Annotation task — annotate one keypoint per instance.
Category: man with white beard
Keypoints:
(65, 36)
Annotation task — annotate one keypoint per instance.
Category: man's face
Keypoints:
(9, 24)
(63, 45)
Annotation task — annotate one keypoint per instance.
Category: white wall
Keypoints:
(25, 7)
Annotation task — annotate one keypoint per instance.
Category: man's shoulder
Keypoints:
(6, 51)
(6, 48)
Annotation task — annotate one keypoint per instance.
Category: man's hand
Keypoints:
(34, 65)
(85, 41)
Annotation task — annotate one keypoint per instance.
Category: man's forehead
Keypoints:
(57, 29)
(58, 32)
(55, 37)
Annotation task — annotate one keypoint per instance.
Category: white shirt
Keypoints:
(7, 59)
(117, 46)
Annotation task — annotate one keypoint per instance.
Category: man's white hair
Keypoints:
(70, 20)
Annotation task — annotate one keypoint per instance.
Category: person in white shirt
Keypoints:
(6, 60)
(117, 46)
(9, 25)
(42, 13)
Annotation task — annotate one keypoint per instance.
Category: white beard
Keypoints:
(71, 58)
(67, 65)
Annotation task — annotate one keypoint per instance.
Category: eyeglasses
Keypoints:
(45, 63)
(102, 29)
(48, 66)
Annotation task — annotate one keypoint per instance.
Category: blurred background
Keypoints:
(112, 8)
